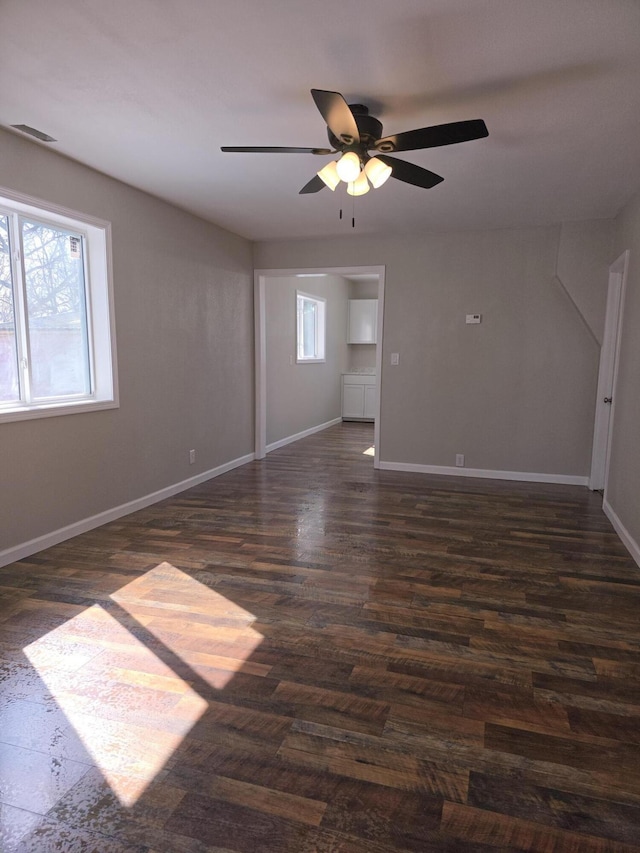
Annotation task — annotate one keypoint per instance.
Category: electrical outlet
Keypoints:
(459, 460)
(192, 457)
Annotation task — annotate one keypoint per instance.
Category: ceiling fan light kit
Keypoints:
(358, 187)
(329, 174)
(348, 167)
(377, 172)
(353, 133)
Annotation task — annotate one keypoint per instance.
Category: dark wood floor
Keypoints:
(307, 655)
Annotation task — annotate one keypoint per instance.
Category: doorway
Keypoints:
(261, 282)
(609, 356)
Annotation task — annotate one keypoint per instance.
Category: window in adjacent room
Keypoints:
(57, 351)
(310, 327)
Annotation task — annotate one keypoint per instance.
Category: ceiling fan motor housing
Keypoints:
(369, 128)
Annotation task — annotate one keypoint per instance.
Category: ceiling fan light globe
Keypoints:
(348, 167)
(377, 172)
(329, 174)
(360, 186)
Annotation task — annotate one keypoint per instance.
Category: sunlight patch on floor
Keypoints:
(370, 451)
(211, 621)
(129, 708)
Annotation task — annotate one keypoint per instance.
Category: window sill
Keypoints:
(50, 410)
(310, 360)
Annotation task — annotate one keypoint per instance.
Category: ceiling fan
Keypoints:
(353, 133)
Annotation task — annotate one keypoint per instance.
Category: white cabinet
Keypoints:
(370, 401)
(363, 321)
(359, 397)
(352, 400)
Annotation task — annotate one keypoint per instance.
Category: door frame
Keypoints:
(608, 374)
(260, 278)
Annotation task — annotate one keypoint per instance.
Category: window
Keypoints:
(57, 350)
(310, 327)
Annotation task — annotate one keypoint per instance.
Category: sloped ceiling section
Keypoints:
(149, 91)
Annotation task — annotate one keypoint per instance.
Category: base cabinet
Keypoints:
(370, 401)
(359, 397)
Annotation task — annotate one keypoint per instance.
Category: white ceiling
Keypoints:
(148, 91)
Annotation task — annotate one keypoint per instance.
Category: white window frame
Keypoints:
(96, 234)
(320, 329)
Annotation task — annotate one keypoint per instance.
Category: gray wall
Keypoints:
(623, 491)
(515, 393)
(302, 396)
(584, 256)
(362, 355)
(184, 330)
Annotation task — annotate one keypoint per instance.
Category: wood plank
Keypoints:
(308, 655)
(518, 834)
(512, 795)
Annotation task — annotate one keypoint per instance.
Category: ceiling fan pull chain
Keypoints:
(353, 213)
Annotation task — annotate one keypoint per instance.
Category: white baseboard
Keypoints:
(291, 438)
(26, 549)
(627, 539)
(521, 476)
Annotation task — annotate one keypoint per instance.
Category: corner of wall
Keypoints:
(581, 270)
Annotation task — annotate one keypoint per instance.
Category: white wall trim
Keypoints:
(260, 332)
(608, 373)
(627, 539)
(522, 476)
(100, 310)
(260, 277)
(291, 438)
(26, 549)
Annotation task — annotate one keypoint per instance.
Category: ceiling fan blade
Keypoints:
(314, 186)
(275, 150)
(432, 137)
(410, 173)
(336, 113)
